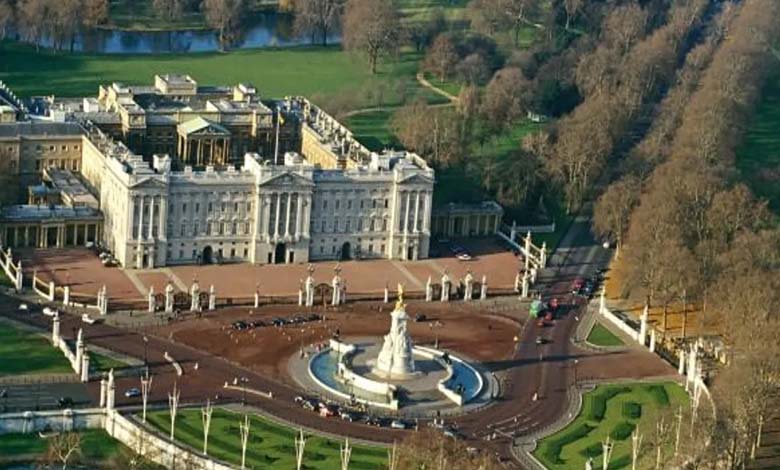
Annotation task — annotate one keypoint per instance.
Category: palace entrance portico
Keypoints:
(202, 143)
(44, 227)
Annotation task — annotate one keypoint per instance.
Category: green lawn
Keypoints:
(309, 71)
(100, 362)
(271, 446)
(601, 336)
(24, 352)
(610, 410)
(96, 444)
(372, 129)
(758, 158)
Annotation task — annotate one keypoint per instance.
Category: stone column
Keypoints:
(151, 218)
(483, 288)
(387, 294)
(524, 287)
(278, 197)
(543, 256)
(103, 392)
(55, 331)
(652, 340)
(66, 296)
(140, 219)
(445, 288)
(681, 365)
(298, 215)
(110, 391)
(169, 298)
(428, 290)
(406, 224)
(150, 300)
(85, 367)
(468, 288)
(416, 211)
(288, 210)
(212, 298)
(427, 213)
(643, 326)
(306, 216)
(195, 297)
(79, 349)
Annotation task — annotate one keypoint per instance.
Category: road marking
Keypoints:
(139, 286)
(407, 274)
(179, 283)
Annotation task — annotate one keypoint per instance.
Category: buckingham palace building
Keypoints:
(177, 173)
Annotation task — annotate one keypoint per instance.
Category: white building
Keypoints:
(331, 198)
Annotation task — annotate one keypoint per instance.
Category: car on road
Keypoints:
(463, 256)
(132, 393)
(278, 321)
(588, 288)
(457, 249)
(239, 325)
(420, 317)
(23, 307)
(313, 317)
(554, 304)
(87, 319)
(49, 312)
(309, 405)
(576, 285)
(65, 402)
(326, 410)
(540, 340)
(399, 424)
(452, 433)
(347, 415)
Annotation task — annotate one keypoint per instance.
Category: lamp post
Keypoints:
(146, 346)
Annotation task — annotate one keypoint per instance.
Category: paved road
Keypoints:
(515, 413)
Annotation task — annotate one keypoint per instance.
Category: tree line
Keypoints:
(691, 231)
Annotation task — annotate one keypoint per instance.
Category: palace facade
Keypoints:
(177, 173)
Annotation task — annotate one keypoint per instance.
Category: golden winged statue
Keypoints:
(399, 304)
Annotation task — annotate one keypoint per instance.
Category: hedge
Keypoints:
(622, 431)
(552, 448)
(598, 405)
(658, 392)
(632, 410)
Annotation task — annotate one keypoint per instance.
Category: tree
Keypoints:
(63, 448)
(572, 9)
(506, 97)
(372, 27)
(429, 449)
(7, 17)
(32, 17)
(317, 18)
(225, 17)
(473, 69)
(434, 133)
(613, 209)
(625, 25)
(441, 57)
(168, 9)
(95, 13)
(65, 17)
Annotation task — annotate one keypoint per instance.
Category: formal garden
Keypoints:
(96, 446)
(613, 411)
(270, 445)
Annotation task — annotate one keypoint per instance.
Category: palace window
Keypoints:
(197, 208)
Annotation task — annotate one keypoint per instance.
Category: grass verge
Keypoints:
(601, 336)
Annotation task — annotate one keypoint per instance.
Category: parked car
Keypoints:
(540, 340)
(278, 321)
(463, 256)
(132, 392)
(310, 405)
(346, 415)
(87, 319)
(49, 312)
(313, 317)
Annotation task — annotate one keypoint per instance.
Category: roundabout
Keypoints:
(392, 373)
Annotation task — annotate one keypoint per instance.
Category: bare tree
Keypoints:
(168, 9)
(572, 9)
(65, 16)
(625, 25)
(441, 57)
(225, 17)
(506, 97)
(372, 27)
(613, 209)
(32, 20)
(63, 448)
(317, 18)
(95, 13)
(7, 17)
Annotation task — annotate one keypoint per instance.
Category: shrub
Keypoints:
(550, 450)
(658, 392)
(632, 410)
(598, 403)
(622, 431)
(593, 450)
